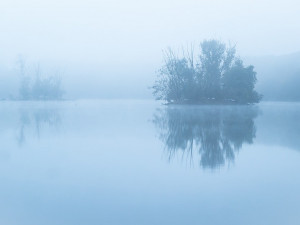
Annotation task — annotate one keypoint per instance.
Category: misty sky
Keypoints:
(119, 33)
(113, 30)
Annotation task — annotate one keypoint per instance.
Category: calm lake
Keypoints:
(140, 162)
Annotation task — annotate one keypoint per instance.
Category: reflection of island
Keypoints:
(35, 120)
(216, 133)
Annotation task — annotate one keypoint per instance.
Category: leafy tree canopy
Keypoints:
(215, 74)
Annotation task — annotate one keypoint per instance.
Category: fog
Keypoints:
(112, 49)
(149, 112)
(140, 162)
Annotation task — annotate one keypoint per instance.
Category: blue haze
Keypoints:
(103, 162)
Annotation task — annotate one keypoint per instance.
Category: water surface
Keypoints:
(139, 162)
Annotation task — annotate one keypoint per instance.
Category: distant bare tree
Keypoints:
(41, 87)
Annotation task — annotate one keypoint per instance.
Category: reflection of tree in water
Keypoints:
(215, 132)
(37, 120)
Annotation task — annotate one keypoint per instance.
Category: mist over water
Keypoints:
(112, 49)
(83, 142)
(139, 162)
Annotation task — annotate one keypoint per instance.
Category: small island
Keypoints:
(216, 75)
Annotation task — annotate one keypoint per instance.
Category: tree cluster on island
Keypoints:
(215, 75)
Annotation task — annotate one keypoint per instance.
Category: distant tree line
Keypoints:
(216, 74)
(39, 87)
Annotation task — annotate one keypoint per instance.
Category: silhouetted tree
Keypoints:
(239, 83)
(215, 60)
(24, 89)
(177, 78)
(48, 88)
(41, 88)
(214, 75)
